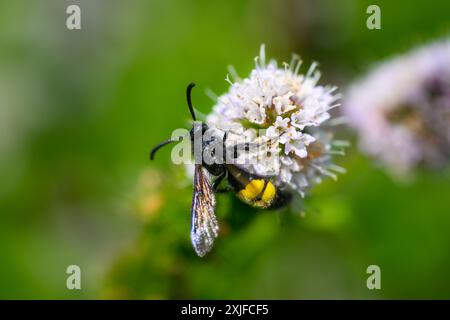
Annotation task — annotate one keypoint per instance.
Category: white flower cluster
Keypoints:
(401, 110)
(286, 114)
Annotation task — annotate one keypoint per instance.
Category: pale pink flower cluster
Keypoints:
(401, 110)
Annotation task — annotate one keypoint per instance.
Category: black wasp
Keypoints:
(255, 190)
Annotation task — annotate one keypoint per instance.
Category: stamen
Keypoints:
(210, 94)
(337, 168)
(233, 73)
(262, 54)
(311, 69)
(297, 66)
(227, 79)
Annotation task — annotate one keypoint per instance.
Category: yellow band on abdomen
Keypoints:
(258, 193)
(269, 193)
(252, 190)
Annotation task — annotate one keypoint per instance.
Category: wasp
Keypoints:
(256, 190)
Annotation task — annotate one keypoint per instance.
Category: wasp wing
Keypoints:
(204, 226)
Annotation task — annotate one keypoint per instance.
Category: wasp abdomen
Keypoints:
(259, 193)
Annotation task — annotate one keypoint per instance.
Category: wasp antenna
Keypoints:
(159, 146)
(189, 101)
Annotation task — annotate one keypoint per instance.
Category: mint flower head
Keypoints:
(401, 110)
(288, 115)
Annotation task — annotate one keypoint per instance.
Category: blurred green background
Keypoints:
(80, 110)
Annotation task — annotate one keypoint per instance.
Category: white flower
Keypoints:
(401, 110)
(292, 110)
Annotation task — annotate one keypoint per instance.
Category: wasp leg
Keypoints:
(224, 190)
(218, 180)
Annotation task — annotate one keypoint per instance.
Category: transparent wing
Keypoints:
(204, 227)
